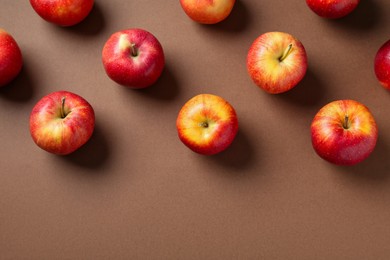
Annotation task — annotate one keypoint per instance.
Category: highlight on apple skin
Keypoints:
(207, 11)
(276, 62)
(382, 65)
(63, 12)
(344, 132)
(11, 60)
(133, 58)
(332, 9)
(62, 122)
(207, 124)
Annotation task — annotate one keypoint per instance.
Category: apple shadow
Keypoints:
(375, 169)
(21, 89)
(367, 15)
(237, 21)
(165, 88)
(93, 24)
(94, 154)
(310, 92)
(239, 156)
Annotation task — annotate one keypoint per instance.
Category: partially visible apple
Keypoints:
(63, 12)
(207, 11)
(133, 58)
(332, 9)
(276, 62)
(11, 60)
(344, 132)
(62, 122)
(207, 124)
(382, 65)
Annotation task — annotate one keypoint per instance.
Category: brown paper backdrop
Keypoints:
(136, 192)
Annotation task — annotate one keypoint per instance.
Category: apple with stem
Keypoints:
(62, 122)
(207, 124)
(382, 65)
(207, 11)
(344, 132)
(11, 60)
(133, 58)
(63, 12)
(276, 62)
(332, 9)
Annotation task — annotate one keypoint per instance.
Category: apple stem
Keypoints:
(133, 49)
(63, 107)
(204, 124)
(346, 122)
(286, 52)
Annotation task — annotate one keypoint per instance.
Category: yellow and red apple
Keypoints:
(207, 124)
(63, 12)
(11, 60)
(207, 11)
(382, 65)
(332, 9)
(276, 62)
(62, 122)
(344, 132)
(133, 58)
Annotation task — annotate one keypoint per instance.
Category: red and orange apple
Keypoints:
(382, 65)
(207, 124)
(11, 60)
(344, 132)
(332, 8)
(62, 122)
(207, 11)
(133, 58)
(276, 62)
(63, 12)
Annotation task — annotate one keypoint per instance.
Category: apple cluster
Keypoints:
(343, 132)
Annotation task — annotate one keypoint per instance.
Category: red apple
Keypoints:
(207, 124)
(207, 11)
(133, 58)
(276, 62)
(344, 132)
(63, 12)
(62, 122)
(11, 60)
(332, 8)
(382, 65)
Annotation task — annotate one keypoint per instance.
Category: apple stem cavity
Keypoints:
(346, 123)
(63, 115)
(204, 124)
(286, 52)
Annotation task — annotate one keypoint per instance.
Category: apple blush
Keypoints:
(332, 9)
(382, 65)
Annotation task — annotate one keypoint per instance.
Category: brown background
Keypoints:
(136, 192)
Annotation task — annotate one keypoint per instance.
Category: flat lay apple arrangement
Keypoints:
(343, 132)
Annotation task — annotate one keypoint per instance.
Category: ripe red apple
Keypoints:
(207, 124)
(332, 8)
(133, 58)
(63, 12)
(382, 65)
(62, 122)
(207, 11)
(344, 132)
(11, 60)
(276, 62)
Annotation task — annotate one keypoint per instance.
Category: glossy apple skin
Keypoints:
(207, 11)
(57, 134)
(344, 142)
(332, 9)
(63, 12)
(382, 65)
(266, 68)
(207, 124)
(11, 60)
(134, 71)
